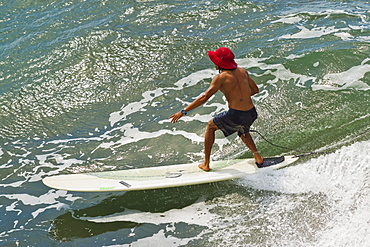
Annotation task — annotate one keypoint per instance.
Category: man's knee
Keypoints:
(211, 125)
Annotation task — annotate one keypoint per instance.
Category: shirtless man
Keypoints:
(238, 87)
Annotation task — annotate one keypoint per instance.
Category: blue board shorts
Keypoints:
(235, 121)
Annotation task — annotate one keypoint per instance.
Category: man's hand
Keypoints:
(175, 117)
(213, 88)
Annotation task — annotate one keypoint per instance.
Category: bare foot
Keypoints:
(204, 167)
(258, 158)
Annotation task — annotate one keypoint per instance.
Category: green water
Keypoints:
(89, 86)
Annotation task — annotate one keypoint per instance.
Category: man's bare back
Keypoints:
(238, 88)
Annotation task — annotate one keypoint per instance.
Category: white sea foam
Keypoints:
(316, 32)
(290, 19)
(279, 71)
(62, 161)
(343, 177)
(295, 18)
(44, 202)
(336, 169)
(130, 134)
(148, 96)
(352, 78)
(344, 36)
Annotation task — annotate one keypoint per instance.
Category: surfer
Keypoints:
(238, 87)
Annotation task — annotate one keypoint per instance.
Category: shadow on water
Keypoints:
(73, 224)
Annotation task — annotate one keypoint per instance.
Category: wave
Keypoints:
(352, 78)
(317, 202)
(352, 21)
(342, 181)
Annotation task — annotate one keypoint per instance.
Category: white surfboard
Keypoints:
(159, 176)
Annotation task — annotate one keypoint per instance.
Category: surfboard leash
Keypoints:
(303, 153)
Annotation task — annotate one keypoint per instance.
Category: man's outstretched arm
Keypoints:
(213, 88)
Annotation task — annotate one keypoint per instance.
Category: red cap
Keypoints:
(223, 57)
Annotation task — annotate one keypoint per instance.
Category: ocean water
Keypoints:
(89, 86)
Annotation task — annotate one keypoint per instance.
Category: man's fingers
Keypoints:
(175, 118)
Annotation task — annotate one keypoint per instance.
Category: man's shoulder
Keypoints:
(223, 77)
(230, 73)
(242, 70)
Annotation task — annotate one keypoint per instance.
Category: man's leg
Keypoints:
(209, 139)
(247, 139)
